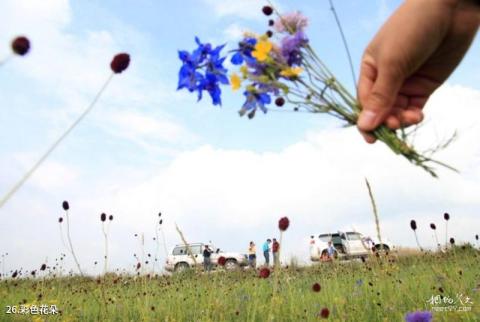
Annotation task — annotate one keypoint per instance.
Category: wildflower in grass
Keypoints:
(103, 217)
(419, 316)
(283, 223)
(120, 62)
(432, 226)
(476, 237)
(413, 225)
(271, 22)
(60, 220)
(316, 287)
(269, 34)
(221, 261)
(452, 241)
(110, 217)
(324, 313)
(264, 272)
(267, 10)
(359, 282)
(43, 267)
(21, 45)
(15, 274)
(66, 207)
(446, 216)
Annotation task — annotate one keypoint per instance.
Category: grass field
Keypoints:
(381, 289)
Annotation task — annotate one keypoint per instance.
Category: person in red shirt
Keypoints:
(275, 249)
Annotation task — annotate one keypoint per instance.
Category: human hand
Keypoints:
(414, 52)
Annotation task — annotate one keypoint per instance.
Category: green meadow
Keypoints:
(379, 289)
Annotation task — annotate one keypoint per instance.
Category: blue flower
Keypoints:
(210, 84)
(244, 52)
(254, 101)
(419, 316)
(203, 70)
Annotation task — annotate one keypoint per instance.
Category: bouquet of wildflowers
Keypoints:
(282, 67)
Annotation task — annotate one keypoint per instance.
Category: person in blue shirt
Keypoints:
(266, 251)
(331, 250)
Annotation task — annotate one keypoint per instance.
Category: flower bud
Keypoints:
(413, 225)
(21, 45)
(120, 62)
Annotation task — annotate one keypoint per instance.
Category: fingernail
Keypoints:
(367, 119)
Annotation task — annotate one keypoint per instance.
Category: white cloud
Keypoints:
(246, 9)
(234, 32)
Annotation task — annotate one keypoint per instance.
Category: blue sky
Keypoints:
(147, 148)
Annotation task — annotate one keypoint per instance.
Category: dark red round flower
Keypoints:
(452, 240)
(283, 223)
(267, 10)
(60, 219)
(264, 272)
(271, 22)
(413, 225)
(446, 216)
(476, 237)
(43, 267)
(65, 205)
(21, 45)
(324, 313)
(120, 62)
(269, 33)
(316, 287)
(221, 261)
(110, 217)
(432, 225)
(279, 101)
(103, 217)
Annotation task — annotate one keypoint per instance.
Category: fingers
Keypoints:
(404, 117)
(377, 94)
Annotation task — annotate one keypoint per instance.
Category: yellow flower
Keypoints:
(262, 48)
(235, 81)
(291, 71)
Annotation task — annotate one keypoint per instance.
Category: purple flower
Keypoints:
(291, 46)
(291, 22)
(419, 316)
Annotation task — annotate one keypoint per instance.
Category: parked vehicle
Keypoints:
(184, 257)
(348, 245)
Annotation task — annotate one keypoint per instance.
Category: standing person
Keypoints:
(207, 262)
(275, 252)
(266, 251)
(252, 255)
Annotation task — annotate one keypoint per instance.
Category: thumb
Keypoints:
(378, 102)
